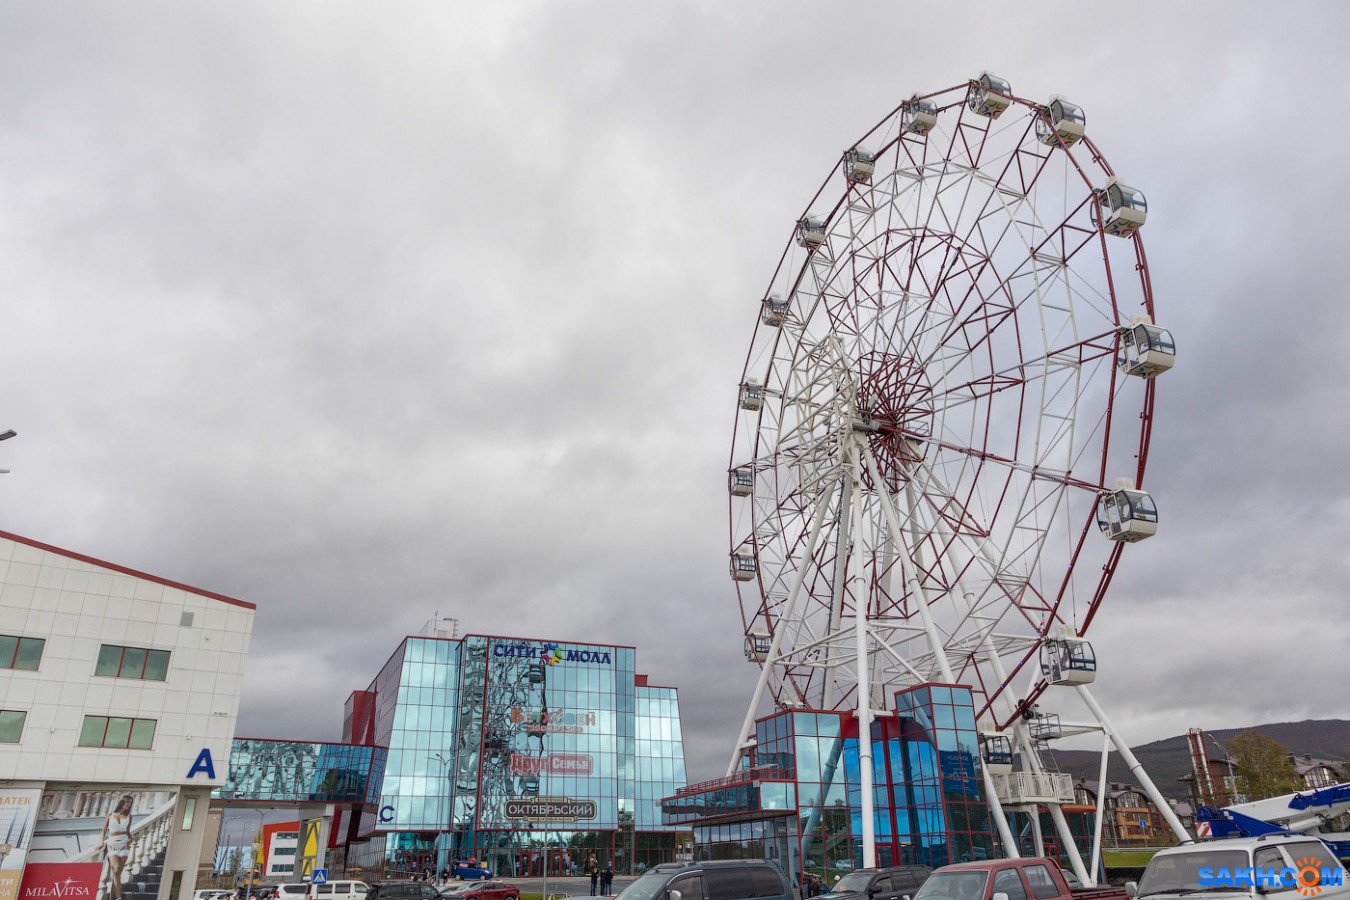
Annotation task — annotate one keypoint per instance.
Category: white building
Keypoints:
(280, 852)
(117, 689)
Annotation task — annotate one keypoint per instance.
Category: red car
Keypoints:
(483, 890)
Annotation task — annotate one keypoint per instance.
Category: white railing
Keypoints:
(150, 831)
(1033, 787)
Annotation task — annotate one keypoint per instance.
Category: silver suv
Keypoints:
(1283, 866)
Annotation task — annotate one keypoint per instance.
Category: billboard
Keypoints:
(18, 814)
(124, 831)
(60, 881)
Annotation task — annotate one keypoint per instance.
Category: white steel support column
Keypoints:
(1032, 760)
(837, 590)
(1138, 771)
(778, 633)
(1000, 818)
(864, 686)
(913, 582)
(1066, 840)
(1101, 807)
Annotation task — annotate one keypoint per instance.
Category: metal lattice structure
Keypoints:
(943, 390)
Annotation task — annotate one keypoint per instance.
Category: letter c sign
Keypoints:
(386, 814)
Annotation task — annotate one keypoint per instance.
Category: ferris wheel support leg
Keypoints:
(1032, 760)
(1067, 843)
(1000, 817)
(1138, 771)
(837, 591)
(914, 584)
(1101, 803)
(778, 632)
(864, 687)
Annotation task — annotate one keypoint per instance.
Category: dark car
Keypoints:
(403, 890)
(740, 879)
(890, 883)
(482, 890)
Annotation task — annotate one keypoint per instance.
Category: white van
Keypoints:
(341, 890)
(332, 890)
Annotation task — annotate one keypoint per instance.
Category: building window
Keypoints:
(189, 812)
(20, 652)
(117, 732)
(11, 725)
(132, 662)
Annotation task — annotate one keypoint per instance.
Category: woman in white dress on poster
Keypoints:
(117, 844)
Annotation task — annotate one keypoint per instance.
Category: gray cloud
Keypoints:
(360, 313)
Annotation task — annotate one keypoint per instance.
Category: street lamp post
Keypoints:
(253, 856)
(1232, 776)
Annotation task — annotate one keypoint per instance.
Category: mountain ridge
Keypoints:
(1168, 760)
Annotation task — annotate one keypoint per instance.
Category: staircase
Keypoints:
(144, 884)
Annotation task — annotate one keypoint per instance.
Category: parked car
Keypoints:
(1248, 865)
(1008, 879)
(889, 883)
(469, 869)
(403, 890)
(341, 889)
(212, 894)
(740, 879)
(482, 890)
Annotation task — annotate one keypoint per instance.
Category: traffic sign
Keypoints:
(320, 877)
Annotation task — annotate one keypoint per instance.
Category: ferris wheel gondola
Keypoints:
(959, 354)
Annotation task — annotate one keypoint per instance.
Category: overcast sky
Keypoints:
(367, 311)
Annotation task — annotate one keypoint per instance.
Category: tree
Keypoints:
(1263, 767)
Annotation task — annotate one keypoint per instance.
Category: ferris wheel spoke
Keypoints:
(1037, 615)
(931, 398)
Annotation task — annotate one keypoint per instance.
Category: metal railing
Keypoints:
(745, 776)
(1033, 787)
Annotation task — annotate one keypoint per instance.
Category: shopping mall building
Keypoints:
(520, 752)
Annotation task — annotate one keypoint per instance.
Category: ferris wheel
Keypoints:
(945, 412)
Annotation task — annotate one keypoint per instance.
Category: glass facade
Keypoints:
(522, 753)
(295, 772)
(659, 752)
(940, 804)
(799, 796)
(417, 790)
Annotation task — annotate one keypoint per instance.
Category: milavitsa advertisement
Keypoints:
(107, 844)
(18, 815)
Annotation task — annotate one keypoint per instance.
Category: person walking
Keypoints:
(607, 879)
(595, 880)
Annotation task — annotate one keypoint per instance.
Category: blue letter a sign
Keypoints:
(203, 764)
